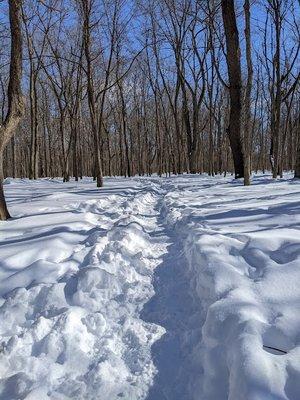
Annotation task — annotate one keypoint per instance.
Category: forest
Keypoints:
(149, 199)
(142, 87)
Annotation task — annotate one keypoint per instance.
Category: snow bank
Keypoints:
(242, 247)
(75, 274)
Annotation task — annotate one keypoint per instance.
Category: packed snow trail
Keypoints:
(184, 288)
(176, 307)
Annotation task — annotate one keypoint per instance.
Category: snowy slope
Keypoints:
(175, 288)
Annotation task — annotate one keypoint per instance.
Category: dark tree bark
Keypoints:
(276, 107)
(14, 93)
(247, 101)
(235, 85)
(297, 166)
(86, 11)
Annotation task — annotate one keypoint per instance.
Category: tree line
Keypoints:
(140, 87)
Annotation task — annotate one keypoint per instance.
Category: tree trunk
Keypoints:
(33, 124)
(14, 92)
(297, 165)
(4, 214)
(247, 102)
(235, 85)
(86, 8)
(13, 157)
(124, 130)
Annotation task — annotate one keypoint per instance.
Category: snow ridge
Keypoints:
(243, 258)
(82, 335)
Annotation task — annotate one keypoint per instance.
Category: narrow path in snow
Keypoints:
(174, 306)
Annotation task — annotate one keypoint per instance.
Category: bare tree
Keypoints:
(14, 93)
(247, 99)
(297, 163)
(233, 58)
(96, 106)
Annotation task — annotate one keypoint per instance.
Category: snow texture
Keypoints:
(181, 288)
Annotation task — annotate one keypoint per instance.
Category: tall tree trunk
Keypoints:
(33, 124)
(247, 102)
(14, 93)
(277, 98)
(86, 8)
(124, 129)
(297, 165)
(235, 85)
(46, 171)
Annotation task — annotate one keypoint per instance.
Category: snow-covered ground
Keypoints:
(182, 288)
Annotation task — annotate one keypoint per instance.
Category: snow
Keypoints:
(151, 288)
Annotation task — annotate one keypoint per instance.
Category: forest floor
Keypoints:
(181, 288)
